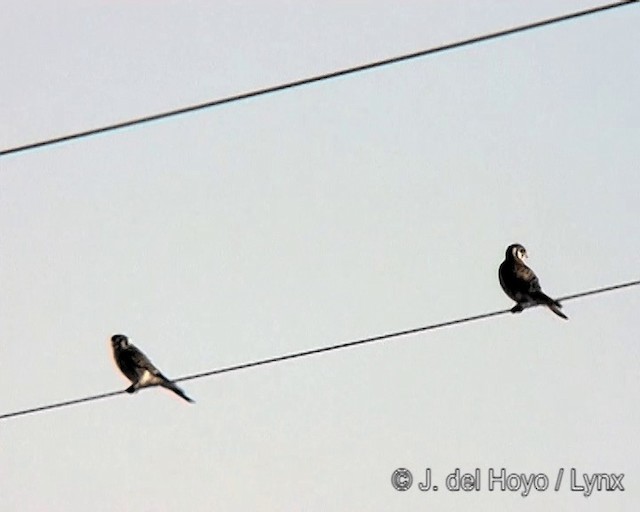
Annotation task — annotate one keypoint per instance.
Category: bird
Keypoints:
(521, 284)
(139, 369)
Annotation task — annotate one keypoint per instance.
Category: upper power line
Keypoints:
(313, 79)
(315, 351)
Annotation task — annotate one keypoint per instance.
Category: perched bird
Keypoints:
(138, 369)
(521, 284)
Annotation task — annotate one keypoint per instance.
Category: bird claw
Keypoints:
(518, 308)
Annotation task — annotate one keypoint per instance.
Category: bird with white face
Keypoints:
(521, 284)
(139, 369)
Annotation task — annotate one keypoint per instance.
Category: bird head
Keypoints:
(516, 252)
(119, 341)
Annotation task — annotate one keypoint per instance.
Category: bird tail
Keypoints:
(552, 304)
(177, 390)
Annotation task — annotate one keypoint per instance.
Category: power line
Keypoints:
(315, 351)
(313, 79)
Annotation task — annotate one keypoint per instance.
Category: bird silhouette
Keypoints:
(521, 284)
(139, 369)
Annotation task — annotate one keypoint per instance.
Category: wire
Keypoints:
(313, 79)
(320, 350)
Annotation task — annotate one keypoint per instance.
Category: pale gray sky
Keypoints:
(372, 203)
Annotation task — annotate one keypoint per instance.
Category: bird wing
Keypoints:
(141, 361)
(527, 279)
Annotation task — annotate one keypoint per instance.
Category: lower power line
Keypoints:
(320, 350)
